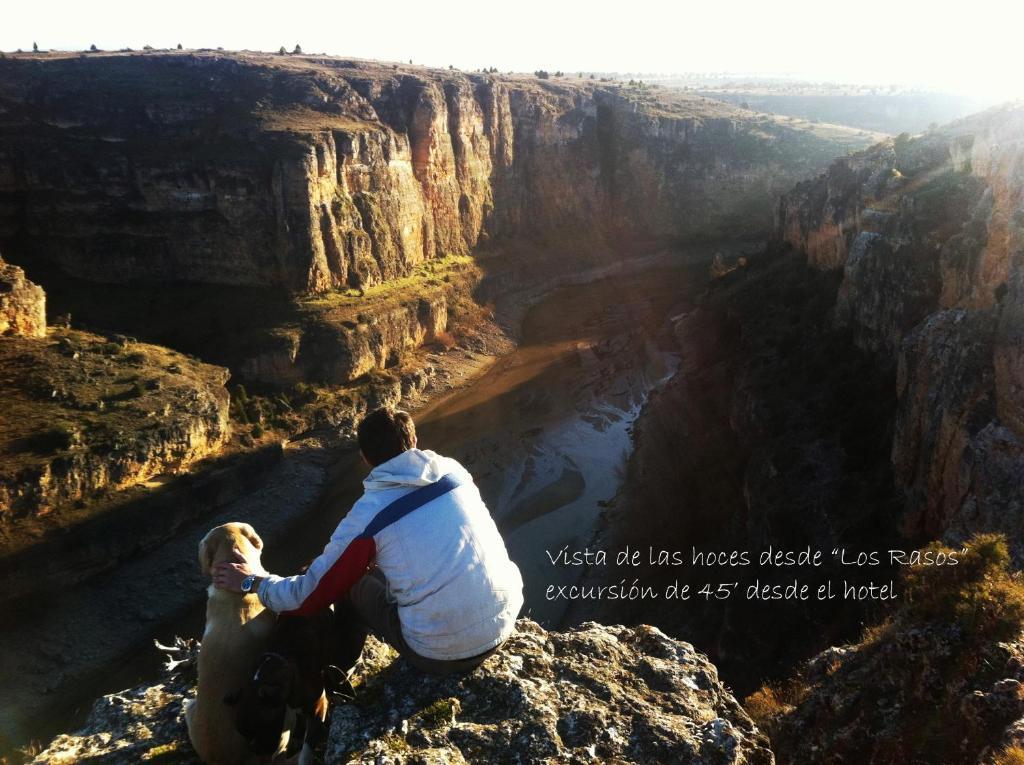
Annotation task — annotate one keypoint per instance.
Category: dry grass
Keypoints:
(773, 701)
(980, 593)
(75, 389)
(1011, 755)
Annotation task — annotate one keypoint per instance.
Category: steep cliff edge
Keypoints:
(313, 173)
(83, 413)
(855, 385)
(597, 693)
(22, 304)
(929, 235)
(940, 680)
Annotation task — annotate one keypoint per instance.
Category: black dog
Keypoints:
(288, 689)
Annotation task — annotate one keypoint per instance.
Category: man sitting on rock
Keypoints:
(418, 560)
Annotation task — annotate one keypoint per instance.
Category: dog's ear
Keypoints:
(269, 692)
(206, 551)
(233, 698)
(250, 533)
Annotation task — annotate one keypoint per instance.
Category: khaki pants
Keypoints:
(367, 609)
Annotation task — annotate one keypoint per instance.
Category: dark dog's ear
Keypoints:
(269, 691)
(251, 535)
(233, 698)
(206, 550)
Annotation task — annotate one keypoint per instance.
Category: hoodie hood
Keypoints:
(415, 467)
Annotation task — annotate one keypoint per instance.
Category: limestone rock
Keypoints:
(328, 173)
(593, 694)
(22, 304)
(929, 234)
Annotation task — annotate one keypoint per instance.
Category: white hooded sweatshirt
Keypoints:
(457, 591)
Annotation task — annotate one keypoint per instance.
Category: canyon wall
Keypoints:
(311, 174)
(22, 304)
(84, 413)
(928, 233)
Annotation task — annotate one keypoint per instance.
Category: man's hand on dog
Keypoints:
(229, 576)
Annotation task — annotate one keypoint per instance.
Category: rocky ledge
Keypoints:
(88, 413)
(22, 304)
(593, 694)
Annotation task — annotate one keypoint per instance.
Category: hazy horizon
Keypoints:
(908, 44)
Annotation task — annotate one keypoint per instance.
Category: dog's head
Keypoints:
(231, 542)
(261, 707)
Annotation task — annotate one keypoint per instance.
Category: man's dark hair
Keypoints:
(385, 433)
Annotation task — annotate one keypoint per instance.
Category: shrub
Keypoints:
(772, 701)
(980, 593)
(1011, 755)
(298, 50)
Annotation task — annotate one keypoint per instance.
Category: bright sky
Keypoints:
(972, 48)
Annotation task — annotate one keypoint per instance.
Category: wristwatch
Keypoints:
(247, 584)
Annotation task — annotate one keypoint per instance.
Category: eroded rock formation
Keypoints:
(598, 693)
(316, 173)
(83, 414)
(929, 234)
(22, 304)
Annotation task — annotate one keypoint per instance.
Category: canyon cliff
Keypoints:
(857, 385)
(84, 413)
(22, 304)
(928, 234)
(309, 173)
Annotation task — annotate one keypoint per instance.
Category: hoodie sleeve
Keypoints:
(342, 563)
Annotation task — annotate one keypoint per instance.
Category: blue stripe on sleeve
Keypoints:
(405, 504)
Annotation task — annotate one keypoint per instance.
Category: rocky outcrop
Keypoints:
(84, 414)
(609, 694)
(22, 304)
(316, 173)
(775, 433)
(929, 235)
(335, 340)
(939, 681)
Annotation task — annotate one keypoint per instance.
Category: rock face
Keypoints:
(601, 694)
(940, 680)
(22, 304)
(84, 414)
(929, 235)
(775, 433)
(317, 173)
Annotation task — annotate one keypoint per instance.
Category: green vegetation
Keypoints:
(430, 273)
(440, 713)
(907, 679)
(980, 595)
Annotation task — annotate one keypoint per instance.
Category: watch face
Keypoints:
(247, 584)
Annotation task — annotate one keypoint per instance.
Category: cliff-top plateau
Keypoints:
(799, 333)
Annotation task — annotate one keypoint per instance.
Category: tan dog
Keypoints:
(236, 634)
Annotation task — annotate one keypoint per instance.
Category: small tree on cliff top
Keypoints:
(298, 49)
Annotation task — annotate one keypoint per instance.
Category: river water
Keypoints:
(545, 432)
